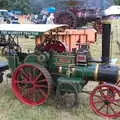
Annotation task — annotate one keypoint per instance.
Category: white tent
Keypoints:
(112, 10)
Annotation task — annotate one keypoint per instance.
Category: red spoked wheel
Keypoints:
(31, 84)
(55, 46)
(105, 101)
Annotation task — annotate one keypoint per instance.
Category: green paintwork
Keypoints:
(79, 71)
(63, 59)
(77, 82)
(62, 65)
(13, 62)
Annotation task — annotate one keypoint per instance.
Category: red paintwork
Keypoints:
(54, 45)
(71, 37)
(27, 86)
(109, 94)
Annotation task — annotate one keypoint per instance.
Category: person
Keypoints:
(44, 19)
(50, 19)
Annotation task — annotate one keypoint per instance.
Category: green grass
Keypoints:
(12, 109)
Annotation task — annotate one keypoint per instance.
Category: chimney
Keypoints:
(106, 43)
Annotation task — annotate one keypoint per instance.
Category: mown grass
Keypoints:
(12, 109)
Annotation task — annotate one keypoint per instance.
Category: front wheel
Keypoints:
(105, 100)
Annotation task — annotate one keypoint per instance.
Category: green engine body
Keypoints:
(67, 67)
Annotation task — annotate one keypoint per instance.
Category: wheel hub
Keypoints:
(107, 102)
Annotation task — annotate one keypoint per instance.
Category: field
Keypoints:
(12, 109)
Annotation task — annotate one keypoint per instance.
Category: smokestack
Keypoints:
(106, 42)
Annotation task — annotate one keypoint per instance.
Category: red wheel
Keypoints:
(55, 46)
(105, 101)
(31, 84)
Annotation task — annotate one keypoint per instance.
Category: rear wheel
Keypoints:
(31, 84)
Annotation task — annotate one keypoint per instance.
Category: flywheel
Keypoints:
(54, 45)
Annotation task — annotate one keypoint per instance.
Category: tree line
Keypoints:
(25, 5)
(22, 5)
(117, 2)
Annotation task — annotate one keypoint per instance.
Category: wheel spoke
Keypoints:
(22, 87)
(112, 109)
(101, 107)
(30, 76)
(107, 109)
(25, 74)
(29, 93)
(40, 86)
(115, 104)
(43, 93)
(22, 81)
(37, 78)
(102, 93)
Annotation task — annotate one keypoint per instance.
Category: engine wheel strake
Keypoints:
(31, 84)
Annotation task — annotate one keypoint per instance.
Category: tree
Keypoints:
(117, 2)
(3, 4)
(23, 5)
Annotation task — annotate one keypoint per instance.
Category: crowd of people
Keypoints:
(45, 16)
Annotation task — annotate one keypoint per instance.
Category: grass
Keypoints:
(12, 109)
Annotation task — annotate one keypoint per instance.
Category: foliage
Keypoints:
(117, 2)
(22, 5)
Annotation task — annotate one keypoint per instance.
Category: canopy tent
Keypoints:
(28, 28)
(112, 10)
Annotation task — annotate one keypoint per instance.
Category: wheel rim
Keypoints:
(31, 84)
(55, 46)
(105, 101)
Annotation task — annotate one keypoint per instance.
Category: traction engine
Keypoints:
(50, 68)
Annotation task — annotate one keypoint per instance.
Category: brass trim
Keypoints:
(118, 77)
(60, 69)
(96, 73)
